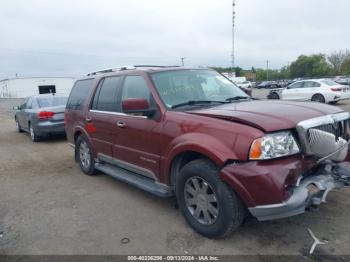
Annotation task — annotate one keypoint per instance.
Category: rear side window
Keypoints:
(79, 93)
(106, 95)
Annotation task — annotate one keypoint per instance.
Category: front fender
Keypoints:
(204, 144)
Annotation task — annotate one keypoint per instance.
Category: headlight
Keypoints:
(273, 145)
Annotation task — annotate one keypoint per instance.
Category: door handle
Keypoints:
(120, 124)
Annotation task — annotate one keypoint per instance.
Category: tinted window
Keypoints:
(135, 87)
(329, 82)
(79, 93)
(296, 85)
(106, 95)
(52, 101)
(311, 84)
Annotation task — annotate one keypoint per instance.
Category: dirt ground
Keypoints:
(47, 206)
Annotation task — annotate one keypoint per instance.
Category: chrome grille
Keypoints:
(338, 129)
(322, 136)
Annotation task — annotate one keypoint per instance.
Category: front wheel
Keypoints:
(274, 96)
(207, 203)
(84, 156)
(18, 126)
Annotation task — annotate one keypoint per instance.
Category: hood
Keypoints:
(268, 115)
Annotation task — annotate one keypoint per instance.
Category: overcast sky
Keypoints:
(72, 37)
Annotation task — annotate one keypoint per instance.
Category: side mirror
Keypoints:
(137, 106)
(16, 108)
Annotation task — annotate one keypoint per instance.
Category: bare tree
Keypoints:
(337, 58)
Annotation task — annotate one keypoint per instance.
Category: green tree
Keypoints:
(310, 66)
(345, 67)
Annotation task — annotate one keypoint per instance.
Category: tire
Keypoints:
(33, 135)
(229, 211)
(274, 96)
(333, 102)
(18, 126)
(318, 98)
(84, 156)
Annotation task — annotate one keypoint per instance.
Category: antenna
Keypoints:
(233, 34)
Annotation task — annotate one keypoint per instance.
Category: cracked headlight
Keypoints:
(273, 145)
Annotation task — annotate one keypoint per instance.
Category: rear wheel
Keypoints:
(207, 203)
(333, 102)
(33, 135)
(84, 156)
(318, 98)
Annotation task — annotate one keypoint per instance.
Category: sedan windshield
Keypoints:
(52, 101)
(182, 86)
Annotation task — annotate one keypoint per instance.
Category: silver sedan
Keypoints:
(41, 116)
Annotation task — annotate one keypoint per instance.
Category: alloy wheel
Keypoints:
(84, 154)
(201, 200)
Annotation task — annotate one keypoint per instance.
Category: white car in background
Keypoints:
(244, 84)
(318, 90)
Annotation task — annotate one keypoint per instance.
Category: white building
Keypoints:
(28, 86)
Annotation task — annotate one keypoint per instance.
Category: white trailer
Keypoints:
(28, 86)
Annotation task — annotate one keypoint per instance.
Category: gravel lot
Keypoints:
(47, 206)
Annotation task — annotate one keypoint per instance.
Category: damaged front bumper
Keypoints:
(310, 191)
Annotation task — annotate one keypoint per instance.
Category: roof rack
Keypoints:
(158, 66)
(109, 70)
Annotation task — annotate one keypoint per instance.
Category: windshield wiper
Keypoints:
(197, 102)
(235, 98)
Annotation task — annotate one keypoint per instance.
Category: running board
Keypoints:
(134, 179)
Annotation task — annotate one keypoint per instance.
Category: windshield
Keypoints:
(52, 101)
(329, 82)
(181, 86)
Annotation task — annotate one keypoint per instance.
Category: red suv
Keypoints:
(192, 134)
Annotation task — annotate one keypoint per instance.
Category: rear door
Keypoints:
(104, 114)
(309, 89)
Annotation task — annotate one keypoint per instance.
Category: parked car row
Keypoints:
(192, 134)
(317, 90)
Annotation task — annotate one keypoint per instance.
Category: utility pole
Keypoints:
(233, 35)
(183, 61)
(267, 70)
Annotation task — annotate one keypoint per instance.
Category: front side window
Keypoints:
(180, 86)
(29, 103)
(135, 87)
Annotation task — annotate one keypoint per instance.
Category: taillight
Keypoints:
(336, 89)
(45, 115)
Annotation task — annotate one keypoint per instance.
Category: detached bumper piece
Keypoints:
(310, 191)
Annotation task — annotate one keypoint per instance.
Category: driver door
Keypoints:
(137, 146)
